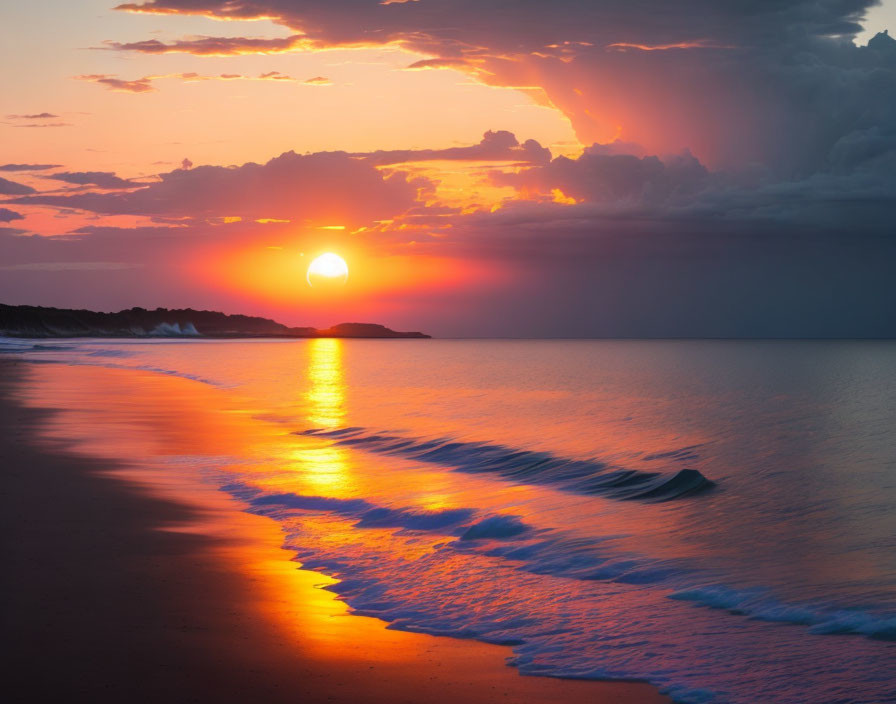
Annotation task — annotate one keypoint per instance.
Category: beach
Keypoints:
(124, 584)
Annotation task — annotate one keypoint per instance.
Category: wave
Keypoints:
(822, 619)
(508, 537)
(411, 599)
(562, 554)
(530, 467)
(367, 515)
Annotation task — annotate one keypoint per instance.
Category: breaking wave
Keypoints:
(529, 467)
(409, 594)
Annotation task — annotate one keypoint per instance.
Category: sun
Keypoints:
(327, 268)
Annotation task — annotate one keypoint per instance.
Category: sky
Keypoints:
(579, 168)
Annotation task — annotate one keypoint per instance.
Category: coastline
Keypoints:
(115, 589)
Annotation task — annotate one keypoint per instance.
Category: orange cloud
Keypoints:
(438, 63)
(138, 85)
(695, 44)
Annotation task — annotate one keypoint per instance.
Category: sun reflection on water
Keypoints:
(326, 397)
(325, 468)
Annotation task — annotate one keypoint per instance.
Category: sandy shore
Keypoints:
(113, 592)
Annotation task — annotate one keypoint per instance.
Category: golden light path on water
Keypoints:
(324, 465)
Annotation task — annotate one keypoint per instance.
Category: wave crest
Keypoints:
(528, 467)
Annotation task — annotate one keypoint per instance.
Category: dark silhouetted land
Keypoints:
(38, 321)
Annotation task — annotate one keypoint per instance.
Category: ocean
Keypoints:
(717, 518)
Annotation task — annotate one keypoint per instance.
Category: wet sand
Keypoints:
(116, 592)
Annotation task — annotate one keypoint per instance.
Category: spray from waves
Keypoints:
(528, 467)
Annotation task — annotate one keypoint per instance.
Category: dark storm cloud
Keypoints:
(103, 179)
(614, 178)
(11, 188)
(531, 25)
(770, 82)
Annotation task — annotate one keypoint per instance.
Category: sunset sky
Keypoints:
(485, 167)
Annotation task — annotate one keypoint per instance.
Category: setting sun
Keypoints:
(329, 267)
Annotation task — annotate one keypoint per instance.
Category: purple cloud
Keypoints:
(494, 146)
(332, 186)
(138, 85)
(103, 179)
(211, 46)
(11, 188)
(28, 167)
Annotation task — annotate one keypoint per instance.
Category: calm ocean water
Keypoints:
(717, 518)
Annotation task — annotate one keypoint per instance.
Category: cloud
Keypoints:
(37, 116)
(621, 179)
(211, 46)
(318, 81)
(7, 215)
(327, 186)
(275, 76)
(145, 84)
(487, 24)
(103, 179)
(11, 188)
(695, 44)
(739, 84)
(437, 63)
(46, 124)
(494, 146)
(139, 85)
(28, 167)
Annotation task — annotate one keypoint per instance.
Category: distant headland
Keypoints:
(37, 321)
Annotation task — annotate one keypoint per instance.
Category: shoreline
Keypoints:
(118, 589)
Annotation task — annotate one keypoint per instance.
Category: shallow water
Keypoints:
(718, 518)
